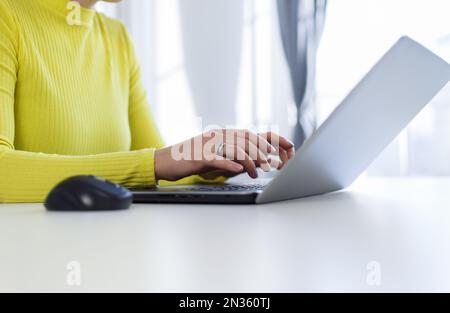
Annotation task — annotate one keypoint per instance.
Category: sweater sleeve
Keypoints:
(27, 176)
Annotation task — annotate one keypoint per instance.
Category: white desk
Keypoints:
(316, 244)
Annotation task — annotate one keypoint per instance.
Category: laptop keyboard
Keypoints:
(228, 188)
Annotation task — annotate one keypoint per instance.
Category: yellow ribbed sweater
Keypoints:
(71, 101)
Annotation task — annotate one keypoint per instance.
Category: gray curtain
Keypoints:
(301, 25)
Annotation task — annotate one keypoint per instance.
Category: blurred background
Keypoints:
(235, 63)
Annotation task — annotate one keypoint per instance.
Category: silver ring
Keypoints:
(219, 151)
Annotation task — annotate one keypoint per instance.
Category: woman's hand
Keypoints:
(226, 152)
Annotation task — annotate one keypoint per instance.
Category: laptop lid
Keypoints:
(397, 88)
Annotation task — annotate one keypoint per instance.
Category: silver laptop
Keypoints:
(387, 99)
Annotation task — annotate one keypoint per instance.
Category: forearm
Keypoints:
(28, 177)
(165, 174)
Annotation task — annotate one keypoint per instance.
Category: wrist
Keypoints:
(162, 166)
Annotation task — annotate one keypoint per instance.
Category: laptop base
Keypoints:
(158, 196)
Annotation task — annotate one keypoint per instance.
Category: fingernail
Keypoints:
(265, 167)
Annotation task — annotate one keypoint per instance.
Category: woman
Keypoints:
(72, 103)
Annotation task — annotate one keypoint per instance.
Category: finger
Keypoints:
(255, 153)
(291, 153)
(223, 164)
(275, 162)
(257, 140)
(239, 155)
(277, 140)
(258, 156)
(284, 158)
(214, 174)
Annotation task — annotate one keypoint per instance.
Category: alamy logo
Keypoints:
(373, 274)
(74, 15)
(73, 277)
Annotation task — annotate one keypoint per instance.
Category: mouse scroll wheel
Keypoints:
(87, 200)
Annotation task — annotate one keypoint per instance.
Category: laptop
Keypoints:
(386, 100)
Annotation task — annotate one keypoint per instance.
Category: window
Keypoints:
(262, 86)
(357, 33)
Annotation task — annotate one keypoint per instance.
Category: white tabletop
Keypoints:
(382, 235)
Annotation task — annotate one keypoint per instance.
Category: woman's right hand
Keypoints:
(229, 151)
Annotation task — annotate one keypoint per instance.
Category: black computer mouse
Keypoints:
(88, 193)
